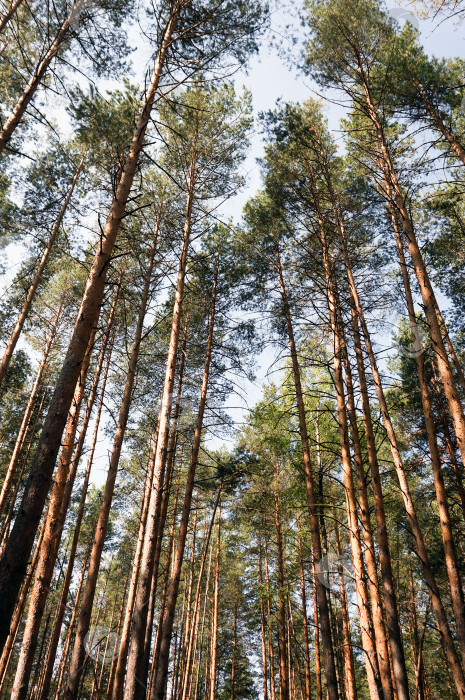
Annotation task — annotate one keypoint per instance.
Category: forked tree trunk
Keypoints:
(28, 414)
(26, 307)
(14, 561)
(323, 606)
(72, 685)
(379, 686)
(168, 617)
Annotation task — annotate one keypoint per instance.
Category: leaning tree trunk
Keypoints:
(28, 414)
(323, 606)
(53, 646)
(9, 13)
(166, 623)
(14, 561)
(426, 289)
(26, 307)
(72, 685)
(54, 522)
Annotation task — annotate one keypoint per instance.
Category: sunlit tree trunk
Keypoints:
(216, 596)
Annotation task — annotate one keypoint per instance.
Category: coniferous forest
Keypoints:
(232, 416)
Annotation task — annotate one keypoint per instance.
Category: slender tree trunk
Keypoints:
(14, 561)
(303, 592)
(111, 674)
(72, 685)
(441, 617)
(168, 617)
(136, 653)
(263, 625)
(233, 655)
(216, 595)
(319, 686)
(323, 607)
(438, 122)
(190, 649)
(282, 597)
(28, 413)
(26, 307)
(9, 13)
(269, 619)
(453, 574)
(67, 643)
(55, 638)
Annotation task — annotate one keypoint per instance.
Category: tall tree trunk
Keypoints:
(319, 686)
(453, 574)
(282, 597)
(28, 411)
(168, 617)
(72, 685)
(55, 638)
(349, 668)
(303, 593)
(323, 607)
(26, 307)
(233, 655)
(441, 617)
(426, 289)
(136, 654)
(269, 617)
(14, 561)
(19, 610)
(379, 687)
(54, 522)
(390, 602)
(262, 625)
(216, 595)
(195, 612)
